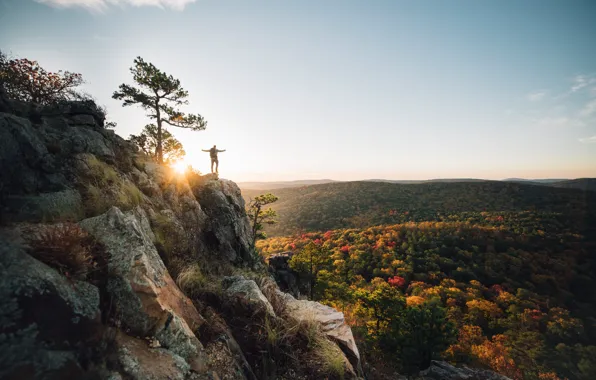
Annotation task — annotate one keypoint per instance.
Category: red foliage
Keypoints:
(345, 249)
(317, 241)
(328, 235)
(497, 289)
(397, 281)
(26, 80)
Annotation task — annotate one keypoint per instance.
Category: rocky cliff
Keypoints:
(113, 267)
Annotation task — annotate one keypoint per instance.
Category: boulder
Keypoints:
(331, 321)
(286, 277)
(145, 297)
(248, 290)
(48, 323)
(445, 371)
(228, 230)
(140, 362)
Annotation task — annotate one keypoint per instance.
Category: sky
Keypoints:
(345, 89)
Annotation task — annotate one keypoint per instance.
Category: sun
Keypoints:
(180, 167)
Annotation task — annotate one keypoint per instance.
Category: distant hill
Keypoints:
(281, 184)
(366, 203)
(543, 181)
(580, 183)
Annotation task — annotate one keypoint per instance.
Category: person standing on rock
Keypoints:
(213, 153)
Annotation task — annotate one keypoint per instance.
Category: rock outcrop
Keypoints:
(126, 318)
(228, 228)
(445, 371)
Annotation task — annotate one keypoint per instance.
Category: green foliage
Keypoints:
(161, 96)
(260, 217)
(380, 305)
(27, 81)
(147, 142)
(420, 335)
(308, 262)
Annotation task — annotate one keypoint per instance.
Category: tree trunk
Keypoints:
(254, 226)
(159, 142)
(159, 136)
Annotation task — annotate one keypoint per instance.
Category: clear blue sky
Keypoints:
(344, 89)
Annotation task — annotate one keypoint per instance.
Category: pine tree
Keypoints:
(160, 95)
(258, 216)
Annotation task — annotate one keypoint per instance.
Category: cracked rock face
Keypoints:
(146, 299)
(228, 229)
(46, 320)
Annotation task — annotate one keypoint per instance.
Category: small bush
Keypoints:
(64, 247)
(191, 280)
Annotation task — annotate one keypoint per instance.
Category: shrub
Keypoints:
(64, 247)
(27, 81)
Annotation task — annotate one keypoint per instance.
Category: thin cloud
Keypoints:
(588, 140)
(559, 122)
(536, 96)
(589, 109)
(581, 81)
(102, 5)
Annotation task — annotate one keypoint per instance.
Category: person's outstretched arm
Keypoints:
(221, 150)
(205, 150)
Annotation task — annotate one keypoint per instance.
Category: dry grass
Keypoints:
(191, 280)
(64, 247)
(129, 195)
(102, 173)
(331, 357)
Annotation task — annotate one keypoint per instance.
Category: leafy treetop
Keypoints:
(147, 143)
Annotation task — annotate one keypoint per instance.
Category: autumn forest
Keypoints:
(492, 275)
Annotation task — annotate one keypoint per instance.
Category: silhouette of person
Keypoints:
(213, 154)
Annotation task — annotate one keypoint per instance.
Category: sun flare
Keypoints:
(180, 167)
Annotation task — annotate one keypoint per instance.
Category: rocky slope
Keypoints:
(112, 267)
